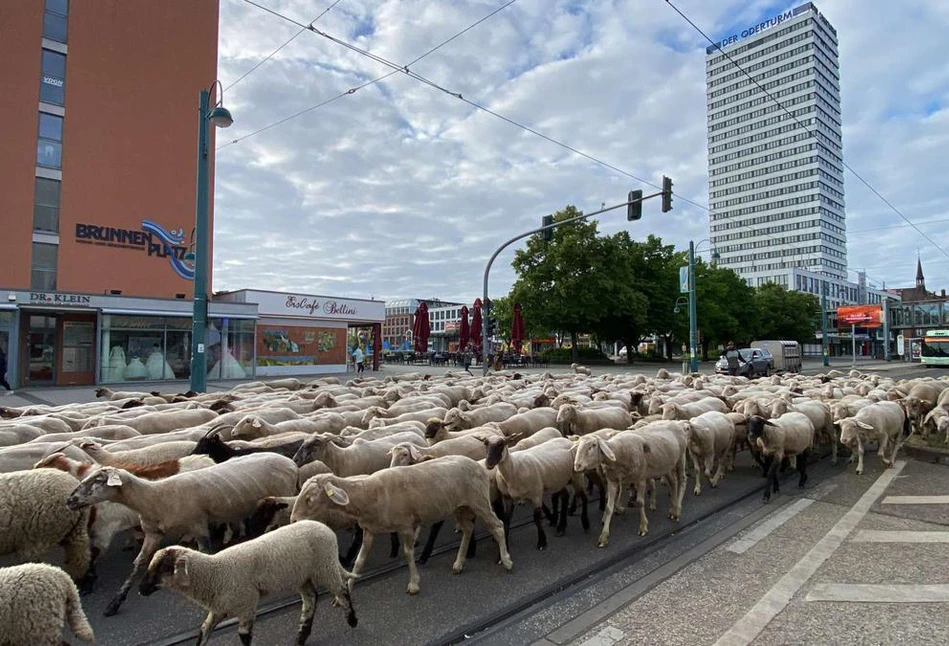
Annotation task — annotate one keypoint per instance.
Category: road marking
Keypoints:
(896, 593)
(768, 525)
(777, 598)
(916, 500)
(905, 536)
(606, 637)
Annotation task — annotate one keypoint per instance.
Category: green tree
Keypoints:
(725, 307)
(783, 314)
(502, 309)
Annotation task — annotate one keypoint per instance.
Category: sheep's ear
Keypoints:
(768, 422)
(336, 494)
(864, 425)
(256, 422)
(114, 479)
(606, 450)
(182, 576)
(414, 453)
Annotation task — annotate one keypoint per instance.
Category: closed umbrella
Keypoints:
(517, 329)
(476, 325)
(422, 328)
(464, 332)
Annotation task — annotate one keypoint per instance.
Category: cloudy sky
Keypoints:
(401, 190)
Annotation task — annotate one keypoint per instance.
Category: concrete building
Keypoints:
(776, 190)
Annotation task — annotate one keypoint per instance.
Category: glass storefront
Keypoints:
(158, 348)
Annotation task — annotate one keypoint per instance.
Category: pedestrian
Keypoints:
(3, 372)
(732, 358)
(358, 359)
(466, 358)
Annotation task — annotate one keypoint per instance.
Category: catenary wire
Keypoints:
(364, 85)
(274, 52)
(809, 130)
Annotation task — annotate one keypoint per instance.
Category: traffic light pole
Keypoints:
(823, 322)
(487, 269)
(693, 323)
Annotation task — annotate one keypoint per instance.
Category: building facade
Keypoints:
(776, 191)
(98, 129)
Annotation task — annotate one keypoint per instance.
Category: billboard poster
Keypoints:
(860, 315)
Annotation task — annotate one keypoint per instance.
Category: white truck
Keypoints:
(787, 354)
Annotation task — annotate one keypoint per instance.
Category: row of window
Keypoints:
(757, 161)
(747, 232)
(732, 223)
(832, 227)
(758, 136)
(776, 34)
(770, 242)
(800, 136)
(780, 179)
(744, 73)
(741, 60)
(735, 106)
(758, 172)
(816, 109)
(763, 195)
(822, 67)
(757, 125)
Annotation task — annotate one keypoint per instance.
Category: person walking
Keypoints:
(3, 372)
(466, 358)
(358, 359)
(732, 358)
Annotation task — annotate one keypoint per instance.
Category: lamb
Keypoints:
(355, 433)
(35, 519)
(298, 557)
(146, 455)
(637, 457)
(528, 474)
(458, 420)
(36, 600)
(792, 434)
(884, 422)
(712, 439)
(358, 459)
(541, 436)
(580, 370)
(187, 502)
(402, 499)
(579, 421)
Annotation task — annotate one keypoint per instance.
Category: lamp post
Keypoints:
(220, 117)
(693, 322)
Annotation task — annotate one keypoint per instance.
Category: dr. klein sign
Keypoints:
(152, 238)
(755, 29)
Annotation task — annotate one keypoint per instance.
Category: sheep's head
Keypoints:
(404, 454)
(850, 428)
(497, 449)
(372, 413)
(89, 446)
(103, 392)
(432, 427)
(670, 411)
(755, 425)
(541, 401)
(168, 566)
(591, 452)
(101, 484)
(454, 420)
(325, 400)
(248, 428)
(262, 520)
(322, 498)
(314, 448)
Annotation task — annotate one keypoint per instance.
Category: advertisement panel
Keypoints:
(286, 345)
(860, 315)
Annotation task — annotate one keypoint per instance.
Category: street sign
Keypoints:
(684, 280)
(900, 344)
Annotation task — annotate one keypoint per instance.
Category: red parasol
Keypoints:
(422, 328)
(517, 329)
(464, 332)
(476, 325)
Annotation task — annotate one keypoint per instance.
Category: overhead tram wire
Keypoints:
(274, 52)
(809, 130)
(404, 69)
(353, 90)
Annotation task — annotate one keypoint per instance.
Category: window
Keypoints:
(54, 20)
(46, 205)
(49, 147)
(43, 276)
(53, 78)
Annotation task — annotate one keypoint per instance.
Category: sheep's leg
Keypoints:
(149, 547)
(641, 500)
(833, 444)
(675, 486)
(78, 557)
(350, 556)
(802, 467)
(308, 595)
(245, 629)
(719, 473)
(506, 518)
(466, 522)
(562, 521)
(772, 480)
(430, 542)
(394, 545)
(408, 550)
(584, 517)
(551, 512)
(859, 455)
(882, 444)
(485, 514)
(208, 626)
(541, 536)
(367, 539)
(696, 469)
(618, 506)
(612, 489)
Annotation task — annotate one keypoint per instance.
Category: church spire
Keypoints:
(920, 280)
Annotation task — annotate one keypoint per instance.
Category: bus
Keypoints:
(935, 348)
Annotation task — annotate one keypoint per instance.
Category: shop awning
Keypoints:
(128, 312)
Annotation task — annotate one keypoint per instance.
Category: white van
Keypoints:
(787, 354)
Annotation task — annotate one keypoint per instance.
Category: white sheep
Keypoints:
(673, 410)
(35, 519)
(885, 422)
(528, 422)
(580, 370)
(458, 420)
(711, 440)
(36, 601)
(186, 503)
(404, 453)
(298, 557)
(357, 459)
(402, 499)
(790, 435)
(160, 452)
(160, 422)
(579, 421)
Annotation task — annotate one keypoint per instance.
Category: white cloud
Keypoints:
(401, 190)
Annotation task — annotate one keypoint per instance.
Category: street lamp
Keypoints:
(220, 117)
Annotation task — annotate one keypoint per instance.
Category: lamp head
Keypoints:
(220, 116)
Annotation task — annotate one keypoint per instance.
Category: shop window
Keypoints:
(239, 338)
(49, 146)
(43, 267)
(54, 20)
(53, 78)
(46, 205)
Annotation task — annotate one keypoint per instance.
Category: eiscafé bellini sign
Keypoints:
(316, 307)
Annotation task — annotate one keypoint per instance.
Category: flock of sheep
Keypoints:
(260, 478)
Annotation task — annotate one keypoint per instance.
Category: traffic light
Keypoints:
(547, 234)
(489, 324)
(634, 210)
(666, 194)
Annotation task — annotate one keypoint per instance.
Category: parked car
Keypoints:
(752, 362)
